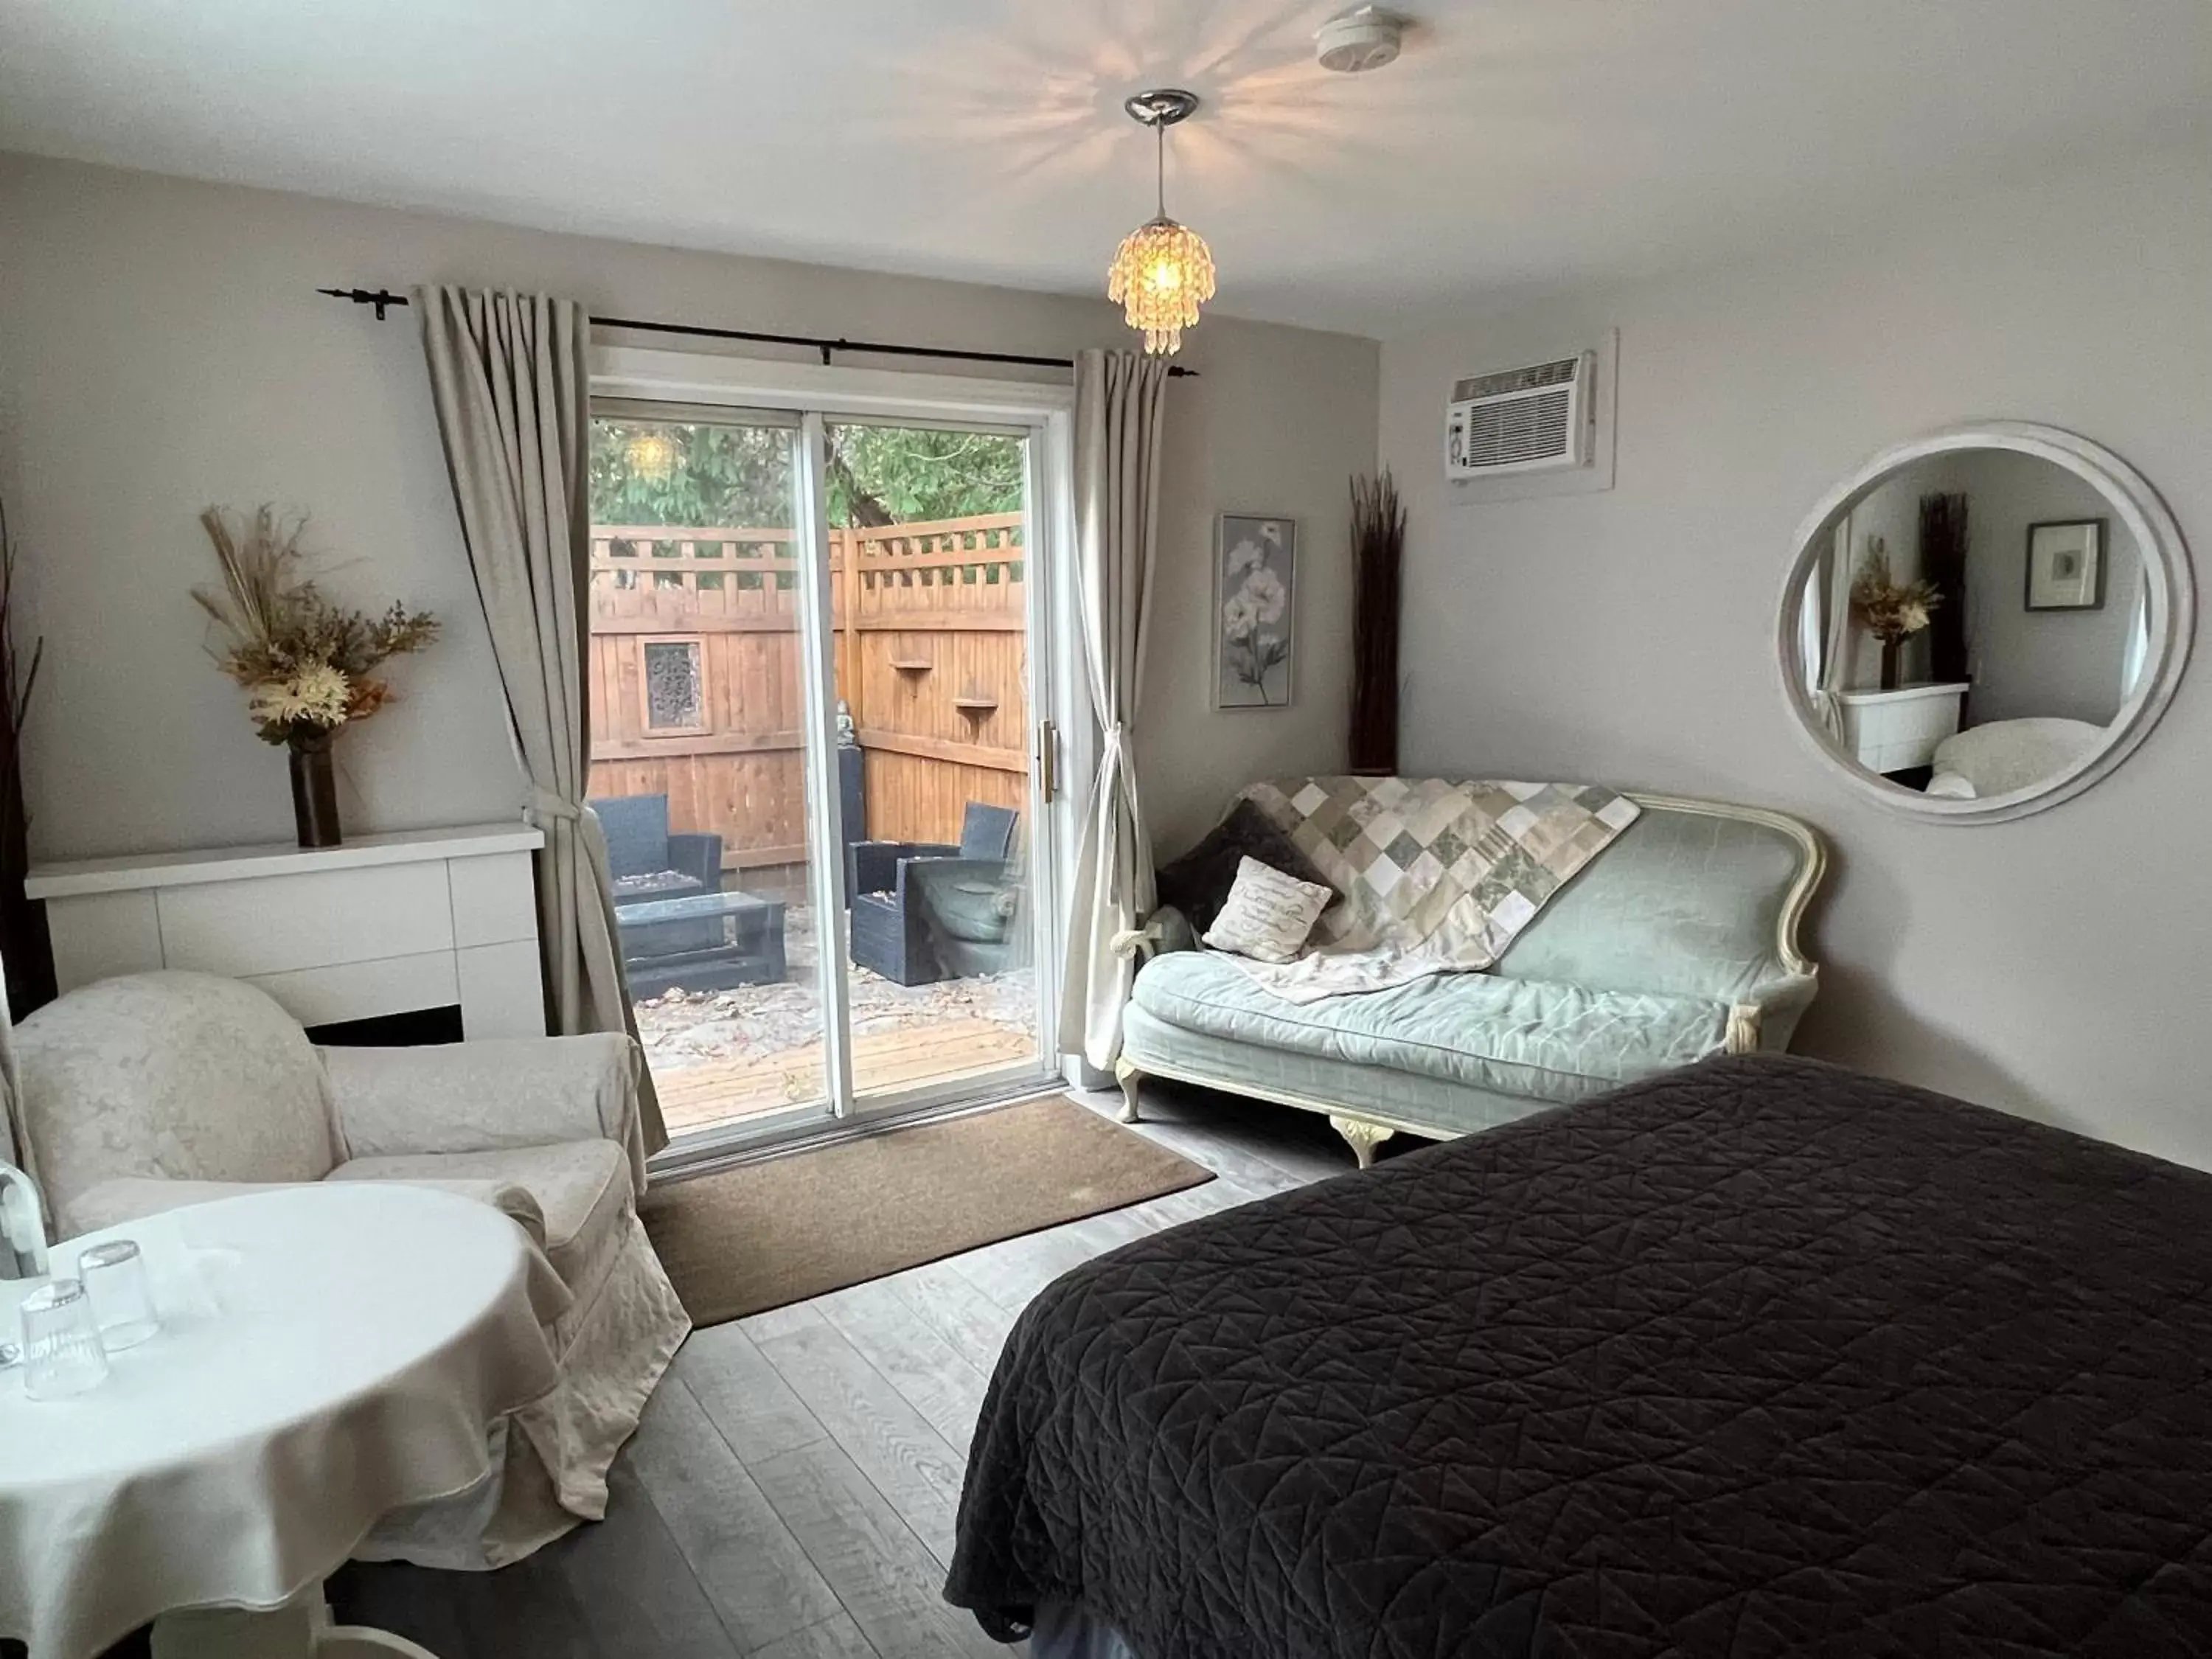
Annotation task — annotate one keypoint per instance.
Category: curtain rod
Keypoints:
(383, 299)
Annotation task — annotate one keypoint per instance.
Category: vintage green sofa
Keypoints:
(1677, 943)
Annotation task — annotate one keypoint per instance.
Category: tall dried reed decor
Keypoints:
(304, 662)
(1943, 520)
(1378, 552)
(25, 951)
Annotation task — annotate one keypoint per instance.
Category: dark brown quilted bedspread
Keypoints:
(1763, 1358)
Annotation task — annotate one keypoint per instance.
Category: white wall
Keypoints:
(162, 348)
(2062, 663)
(2054, 965)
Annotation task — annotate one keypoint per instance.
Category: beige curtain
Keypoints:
(1831, 582)
(1119, 405)
(14, 1145)
(22, 1247)
(509, 376)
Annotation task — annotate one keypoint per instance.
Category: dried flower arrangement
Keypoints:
(1890, 610)
(305, 662)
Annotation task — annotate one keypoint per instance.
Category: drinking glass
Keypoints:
(62, 1355)
(114, 1276)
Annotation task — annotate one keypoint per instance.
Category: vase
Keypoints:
(1892, 650)
(314, 791)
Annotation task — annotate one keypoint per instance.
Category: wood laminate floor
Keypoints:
(791, 1493)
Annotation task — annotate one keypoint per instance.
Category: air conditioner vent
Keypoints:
(1561, 373)
(1520, 420)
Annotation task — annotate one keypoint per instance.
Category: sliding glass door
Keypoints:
(815, 679)
(699, 757)
(934, 666)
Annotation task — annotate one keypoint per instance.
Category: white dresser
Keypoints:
(383, 925)
(1896, 730)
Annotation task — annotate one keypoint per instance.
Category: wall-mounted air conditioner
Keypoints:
(1537, 419)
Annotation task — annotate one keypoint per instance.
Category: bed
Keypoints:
(1760, 1357)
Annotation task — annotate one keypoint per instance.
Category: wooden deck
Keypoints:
(725, 1090)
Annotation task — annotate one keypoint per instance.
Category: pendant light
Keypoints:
(1164, 271)
(652, 453)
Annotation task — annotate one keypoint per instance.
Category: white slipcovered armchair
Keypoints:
(152, 1091)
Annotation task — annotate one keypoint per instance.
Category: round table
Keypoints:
(328, 1354)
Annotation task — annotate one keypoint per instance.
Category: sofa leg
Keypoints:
(1364, 1137)
(1128, 1077)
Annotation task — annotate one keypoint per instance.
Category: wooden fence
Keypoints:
(694, 676)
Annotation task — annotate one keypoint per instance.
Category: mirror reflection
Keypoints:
(1972, 623)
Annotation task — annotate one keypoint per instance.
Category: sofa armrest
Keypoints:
(1172, 931)
(1765, 1020)
(872, 866)
(487, 1096)
(1165, 930)
(511, 1199)
(699, 856)
(128, 1198)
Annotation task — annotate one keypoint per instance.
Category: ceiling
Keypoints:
(1516, 141)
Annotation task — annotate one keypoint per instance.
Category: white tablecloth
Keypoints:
(329, 1353)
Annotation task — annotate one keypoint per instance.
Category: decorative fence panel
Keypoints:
(694, 676)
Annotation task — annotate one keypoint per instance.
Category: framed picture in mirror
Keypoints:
(2066, 565)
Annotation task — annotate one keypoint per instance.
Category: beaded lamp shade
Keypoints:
(1163, 274)
(1164, 271)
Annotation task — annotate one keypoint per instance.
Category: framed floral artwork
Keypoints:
(1256, 582)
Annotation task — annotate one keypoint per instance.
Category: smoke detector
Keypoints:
(1366, 38)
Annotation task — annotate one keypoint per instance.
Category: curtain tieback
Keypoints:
(1117, 753)
(544, 804)
(1132, 943)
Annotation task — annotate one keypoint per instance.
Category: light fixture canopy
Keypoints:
(1164, 271)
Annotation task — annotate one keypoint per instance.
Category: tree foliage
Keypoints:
(725, 476)
(701, 474)
(910, 475)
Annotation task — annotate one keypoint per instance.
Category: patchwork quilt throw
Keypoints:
(1437, 876)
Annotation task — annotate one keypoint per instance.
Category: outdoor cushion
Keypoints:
(1538, 1039)
(656, 884)
(970, 900)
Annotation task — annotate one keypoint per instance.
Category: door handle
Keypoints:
(1048, 761)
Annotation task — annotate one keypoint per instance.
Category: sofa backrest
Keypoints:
(185, 1076)
(1695, 898)
(637, 828)
(988, 832)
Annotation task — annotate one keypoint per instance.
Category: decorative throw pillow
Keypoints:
(1268, 914)
(1199, 882)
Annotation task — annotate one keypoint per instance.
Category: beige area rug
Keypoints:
(756, 1237)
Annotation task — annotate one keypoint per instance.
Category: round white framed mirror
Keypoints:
(1981, 623)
